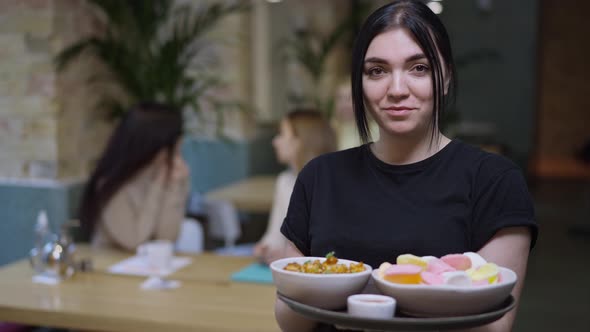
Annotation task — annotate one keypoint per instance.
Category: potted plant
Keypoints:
(311, 49)
(153, 51)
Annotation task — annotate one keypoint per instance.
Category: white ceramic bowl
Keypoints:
(371, 306)
(446, 300)
(326, 291)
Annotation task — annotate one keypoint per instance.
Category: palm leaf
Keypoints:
(332, 40)
(311, 50)
(149, 47)
(72, 52)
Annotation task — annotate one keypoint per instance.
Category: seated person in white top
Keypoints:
(303, 135)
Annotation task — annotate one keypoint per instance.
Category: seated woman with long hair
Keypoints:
(303, 135)
(139, 188)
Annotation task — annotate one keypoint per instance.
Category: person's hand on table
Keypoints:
(267, 254)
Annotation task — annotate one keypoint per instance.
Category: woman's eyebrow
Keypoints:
(415, 57)
(375, 60)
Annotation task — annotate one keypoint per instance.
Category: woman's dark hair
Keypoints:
(143, 132)
(430, 34)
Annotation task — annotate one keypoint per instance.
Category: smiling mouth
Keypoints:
(398, 111)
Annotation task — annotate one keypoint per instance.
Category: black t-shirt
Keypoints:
(363, 209)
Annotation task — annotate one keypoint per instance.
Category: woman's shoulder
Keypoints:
(333, 162)
(349, 154)
(286, 178)
(286, 174)
(342, 158)
(484, 163)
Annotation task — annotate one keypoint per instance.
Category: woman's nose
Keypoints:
(398, 87)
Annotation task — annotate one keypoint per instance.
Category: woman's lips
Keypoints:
(398, 111)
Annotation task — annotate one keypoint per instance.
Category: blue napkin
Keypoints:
(255, 272)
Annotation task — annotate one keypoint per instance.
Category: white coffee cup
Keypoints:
(158, 254)
(371, 306)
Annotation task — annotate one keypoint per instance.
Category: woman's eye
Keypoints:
(421, 68)
(375, 71)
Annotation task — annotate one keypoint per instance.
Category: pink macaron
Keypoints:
(403, 269)
(430, 278)
(438, 266)
(458, 261)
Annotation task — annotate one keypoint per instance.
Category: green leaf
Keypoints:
(311, 50)
(150, 48)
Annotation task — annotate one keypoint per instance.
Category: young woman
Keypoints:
(303, 135)
(139, 188)
(413, 190)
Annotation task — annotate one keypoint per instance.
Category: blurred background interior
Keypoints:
(523, 92)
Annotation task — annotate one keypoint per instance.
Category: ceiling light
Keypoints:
(435, 6)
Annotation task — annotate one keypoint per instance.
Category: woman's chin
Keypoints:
(401, 129)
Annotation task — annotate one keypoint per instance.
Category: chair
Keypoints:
(223, 221)
(191, 237)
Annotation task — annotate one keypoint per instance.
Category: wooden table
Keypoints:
(206, 301)
(253, 194)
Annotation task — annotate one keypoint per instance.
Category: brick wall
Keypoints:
(49, 125)
(45, 119)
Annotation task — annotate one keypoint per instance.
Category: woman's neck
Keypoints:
(402, 150)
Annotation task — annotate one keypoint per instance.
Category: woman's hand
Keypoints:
(179, 169)
(174, 171)
(287, 319)
(160, 168)
(267, 254)
(260, 251)
(509, 247)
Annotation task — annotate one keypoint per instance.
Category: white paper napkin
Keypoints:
(137, 265)
(157, 283)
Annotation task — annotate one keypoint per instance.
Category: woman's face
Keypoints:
(285, 143)
(397, 84)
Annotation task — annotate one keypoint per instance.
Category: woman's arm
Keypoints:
(295, 228)
(174, 195)
(288, 319)
(128, 223)
(172, 212)
(273, 245)
(509, 248)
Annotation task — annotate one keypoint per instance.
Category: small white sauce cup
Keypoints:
(371, 306)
